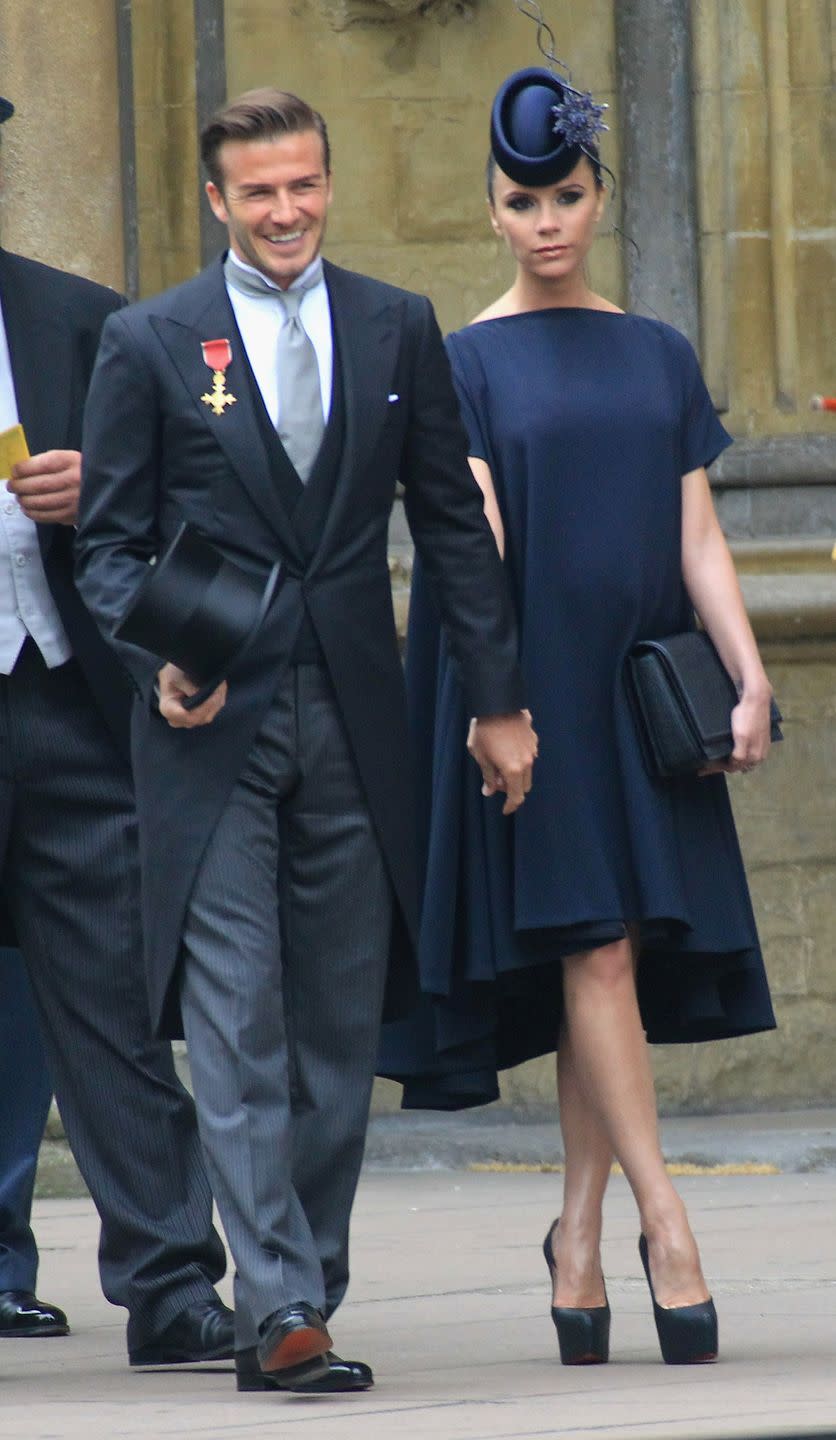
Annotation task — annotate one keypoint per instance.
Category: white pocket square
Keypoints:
(393, 399)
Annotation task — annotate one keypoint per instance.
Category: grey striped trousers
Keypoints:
(284, 959)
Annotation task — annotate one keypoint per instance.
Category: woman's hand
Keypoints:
(505, 748)
(751, 731)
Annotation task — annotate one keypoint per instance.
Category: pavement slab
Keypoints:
(449, 1303)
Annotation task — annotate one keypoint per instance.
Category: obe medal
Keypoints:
(217, 355)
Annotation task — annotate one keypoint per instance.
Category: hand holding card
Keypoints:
(13, 449)
(46, 485)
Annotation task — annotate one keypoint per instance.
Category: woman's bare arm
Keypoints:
(484, 479)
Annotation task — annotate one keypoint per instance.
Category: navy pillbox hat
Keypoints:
(523, 139)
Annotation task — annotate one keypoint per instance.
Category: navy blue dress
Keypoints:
(588, 420)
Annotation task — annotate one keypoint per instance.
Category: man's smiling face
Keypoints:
(274, 202)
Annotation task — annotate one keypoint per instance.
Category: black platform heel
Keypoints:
(582, 1334)
(687, 1333)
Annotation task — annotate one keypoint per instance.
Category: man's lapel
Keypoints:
(204, 313)
(367, 333)
(41, 354)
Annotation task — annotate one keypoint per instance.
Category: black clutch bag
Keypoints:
(682, 696)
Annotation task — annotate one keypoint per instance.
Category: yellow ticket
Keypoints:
(13, 448)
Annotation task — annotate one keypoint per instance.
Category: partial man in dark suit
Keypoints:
(25, 1095)
(274, 401)
(69, 874)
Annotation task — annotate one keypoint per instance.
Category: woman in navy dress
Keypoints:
(613, 908)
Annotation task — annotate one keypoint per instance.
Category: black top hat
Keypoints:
(7, 109)
(198, 609)
(525, 142)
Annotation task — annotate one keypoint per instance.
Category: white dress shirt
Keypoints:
(260, 321)
(26, 603)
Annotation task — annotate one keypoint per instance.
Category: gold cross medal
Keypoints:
(217, 355)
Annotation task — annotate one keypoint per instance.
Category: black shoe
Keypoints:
(205, 1330)
(687, 1333)
(340, 1375)
(295, 1340)
(583, 1334)
(23, 1317)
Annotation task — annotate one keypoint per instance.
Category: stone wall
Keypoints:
(764, 112)
(61, 197)
(406, 90)
(406, 87)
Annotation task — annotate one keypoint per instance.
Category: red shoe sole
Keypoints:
(297, 1348)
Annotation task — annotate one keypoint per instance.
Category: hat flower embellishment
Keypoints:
(577, 117)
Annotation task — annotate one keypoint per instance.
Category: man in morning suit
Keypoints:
(69, 874)
(276, 817)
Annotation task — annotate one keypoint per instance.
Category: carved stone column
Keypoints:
(657, 160)
(127, 145)
(172, 76)
(210, 75)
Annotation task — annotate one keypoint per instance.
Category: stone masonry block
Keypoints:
(438, 154)
(813, 123)
(746, 158)
(295, 46)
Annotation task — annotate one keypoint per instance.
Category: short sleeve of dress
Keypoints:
(467, 381)
(703, 438)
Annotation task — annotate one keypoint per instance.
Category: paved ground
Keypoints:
(795, 1140)
(449, 1303)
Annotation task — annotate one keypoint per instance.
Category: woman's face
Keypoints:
(548, 228)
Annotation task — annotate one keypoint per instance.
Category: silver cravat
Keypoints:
(301, 421)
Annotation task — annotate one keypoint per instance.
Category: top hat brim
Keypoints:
(198, 609)
(7, 109)
(523, 142)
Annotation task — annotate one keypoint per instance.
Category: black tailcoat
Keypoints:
(53, 323)
(155, 454)
(68, 866)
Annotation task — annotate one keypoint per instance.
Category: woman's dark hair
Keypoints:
(572, 160)
(264, 114)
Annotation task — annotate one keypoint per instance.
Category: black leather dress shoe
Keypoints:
(23, 1317)
(341, 1375)
(294, 1340)
(205, 1330)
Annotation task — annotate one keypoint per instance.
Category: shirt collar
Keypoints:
(297, 284)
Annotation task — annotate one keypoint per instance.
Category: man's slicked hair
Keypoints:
(264, 114)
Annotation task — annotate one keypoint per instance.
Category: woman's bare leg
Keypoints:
(611, 1062)
(576, 1243)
